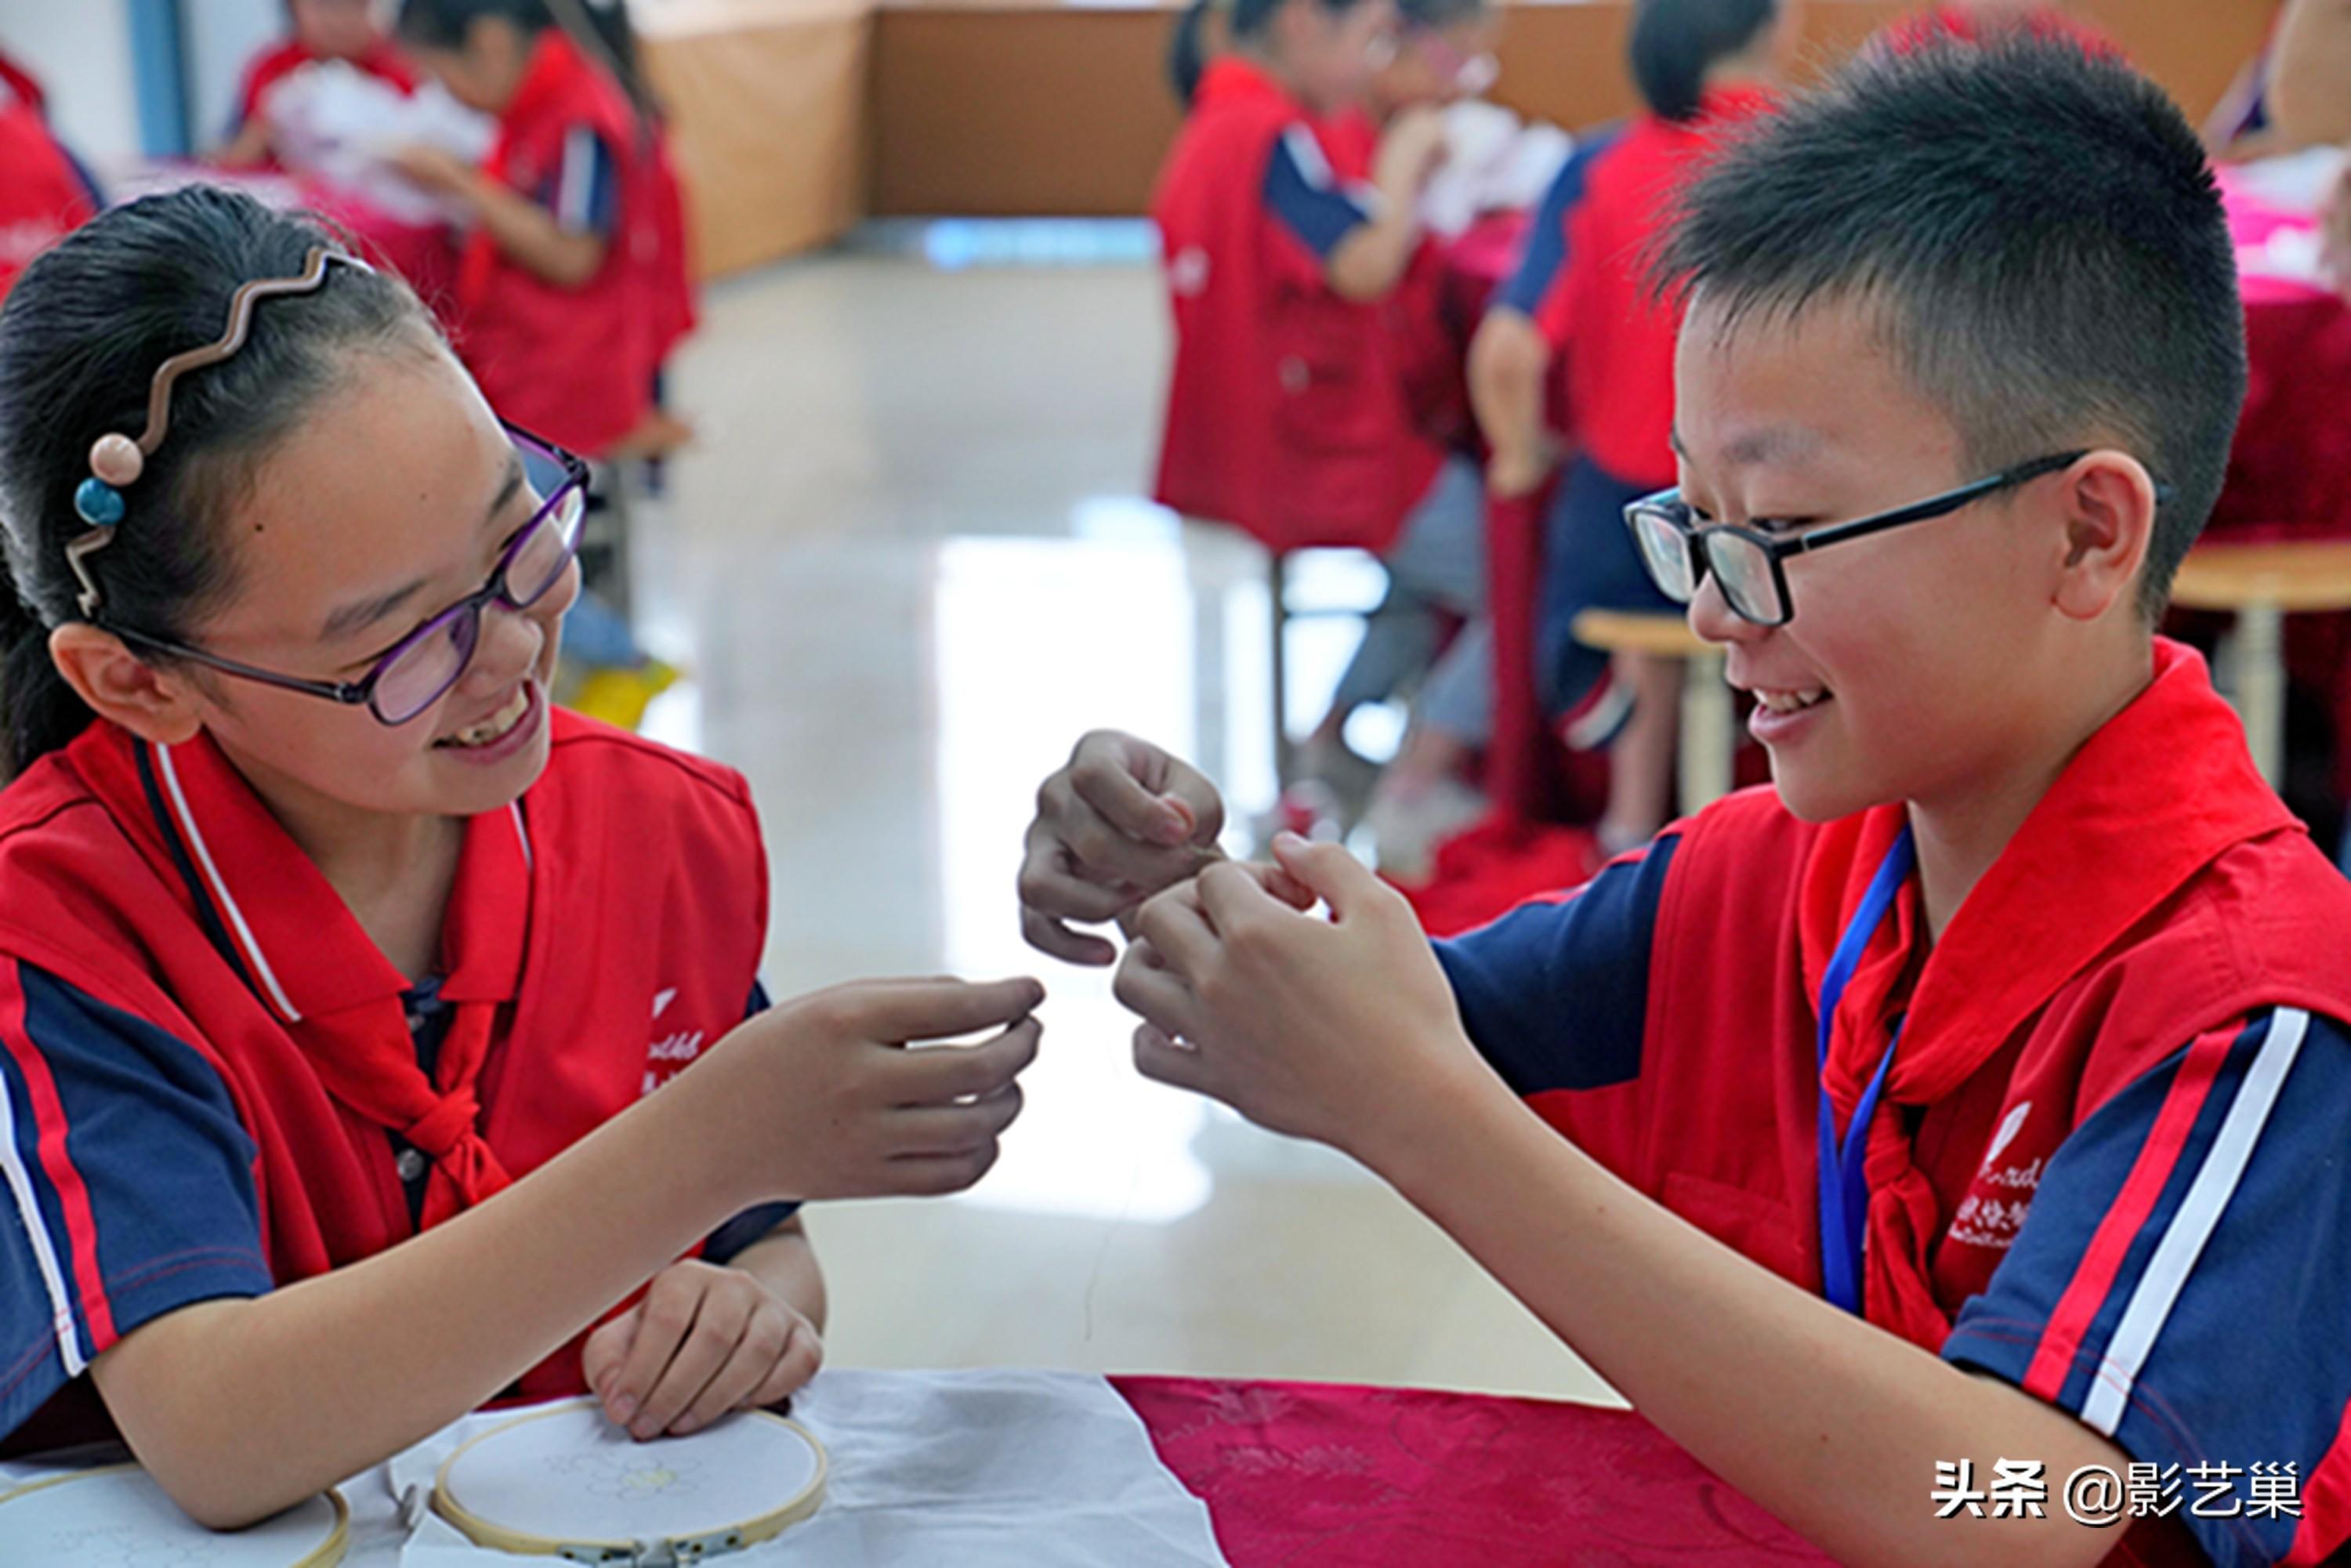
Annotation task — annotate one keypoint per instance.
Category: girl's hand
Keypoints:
(827, 1097)
(703, 1342)
(434, 168)
(1335, 1030)
(1410, 151)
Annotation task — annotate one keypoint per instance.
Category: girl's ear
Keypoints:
(157, 706)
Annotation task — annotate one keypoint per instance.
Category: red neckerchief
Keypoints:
(2154, 797)
(325, 981)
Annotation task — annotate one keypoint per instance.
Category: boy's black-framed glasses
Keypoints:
(1750, 566)
(419, 669)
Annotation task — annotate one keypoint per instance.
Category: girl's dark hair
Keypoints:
(1188, 53)
(600, 28)
(1676, 42)
(80, 338)
(1431, 15)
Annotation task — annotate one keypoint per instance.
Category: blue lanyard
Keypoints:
(1844, 1195)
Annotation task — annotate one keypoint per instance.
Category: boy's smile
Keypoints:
(1902, 673)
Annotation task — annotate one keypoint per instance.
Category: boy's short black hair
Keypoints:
(2040, 235)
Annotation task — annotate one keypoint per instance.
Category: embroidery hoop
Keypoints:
(327, 1553)
(717, 1540)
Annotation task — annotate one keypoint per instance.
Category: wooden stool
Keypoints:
(1708, 740)
(2262, 584)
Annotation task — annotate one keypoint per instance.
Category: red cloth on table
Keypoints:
(1301, 1474)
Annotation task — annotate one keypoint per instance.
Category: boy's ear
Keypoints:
(2108, 511)
(154, 705)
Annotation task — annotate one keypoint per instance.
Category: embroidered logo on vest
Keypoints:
(1994, 1212)
(670, 1054)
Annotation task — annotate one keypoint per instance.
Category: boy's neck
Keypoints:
(1960, 838)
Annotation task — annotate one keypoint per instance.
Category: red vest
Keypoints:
(1286, 413)
(42, 199)
(574, 365)
(2159, 890)
(628, 881)
(1616, 337)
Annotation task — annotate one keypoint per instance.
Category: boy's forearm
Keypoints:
(785, 1261)
(241, 1408)
(1832, 1425)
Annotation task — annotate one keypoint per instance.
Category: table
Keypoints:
(2262, 583)
(1709, 729)
(1308, 1475)
(1300, 1475)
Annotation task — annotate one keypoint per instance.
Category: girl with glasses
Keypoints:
(365, 1024)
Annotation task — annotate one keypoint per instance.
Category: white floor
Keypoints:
(909, 565)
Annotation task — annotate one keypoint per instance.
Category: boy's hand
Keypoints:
(825, 1097)
(1322, 1028)
(1121, 820)
(704, 1341)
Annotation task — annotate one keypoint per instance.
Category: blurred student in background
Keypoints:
(1703, 67)
(44, 193)
(572, 289)
(1286, 228)
(320, 32)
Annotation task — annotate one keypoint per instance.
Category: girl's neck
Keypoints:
(393, 871)
(1753, 69)
(1255, 53)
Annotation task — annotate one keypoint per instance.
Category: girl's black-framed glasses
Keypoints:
(417, 670)
(1750, 565)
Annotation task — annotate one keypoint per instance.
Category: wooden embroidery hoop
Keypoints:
(327, 1553)
(676, 1549)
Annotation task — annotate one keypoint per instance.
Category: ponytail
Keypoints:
(1187, 52)
(1675, 43)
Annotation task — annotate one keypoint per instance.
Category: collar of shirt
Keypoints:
(2157, 794)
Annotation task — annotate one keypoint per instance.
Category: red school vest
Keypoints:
(628, 884)
(574, 365)
(42, 199)
(2159, 890)
(1614, 337)
(1286, 412)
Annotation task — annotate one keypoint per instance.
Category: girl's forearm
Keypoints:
(2310, 84)
(241, 1408)
(1834, 1426)
(530, 236)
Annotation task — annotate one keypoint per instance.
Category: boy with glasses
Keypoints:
(1968, 1107)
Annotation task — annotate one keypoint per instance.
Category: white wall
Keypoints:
(82, 51)
(220, 36)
